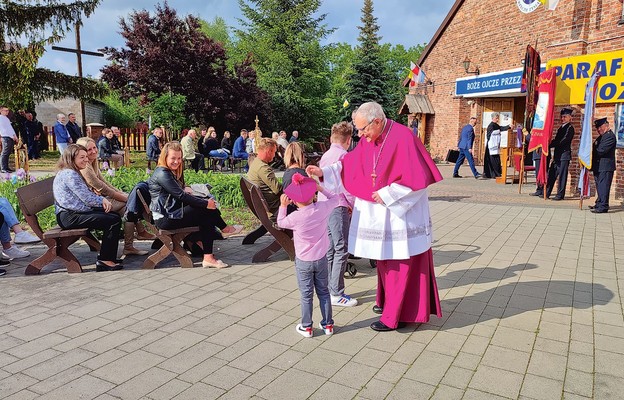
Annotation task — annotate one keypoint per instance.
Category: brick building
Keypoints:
(493, 37)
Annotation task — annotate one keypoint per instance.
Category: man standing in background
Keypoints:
(8, 139)
(466, 140)
(73, 128)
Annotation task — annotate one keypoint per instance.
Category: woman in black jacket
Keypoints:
(174, 206)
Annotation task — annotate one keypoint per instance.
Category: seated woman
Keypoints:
(118, 199)
(76, 206)
(212, 148)
(106, 150)
(9, 221)
(174, 206)
(295, 161)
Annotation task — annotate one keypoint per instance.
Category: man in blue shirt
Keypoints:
(238, 151)
(62, 135)
(466, 139)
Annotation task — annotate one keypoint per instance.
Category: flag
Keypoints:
(585, 145)
(416, 74)
(550, 4)
(345, 104)
(544, 119)
(530, 77)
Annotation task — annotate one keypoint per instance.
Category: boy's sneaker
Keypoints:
(305, 332)
(25, 237)
(343, 301)
(328, 328)
(2, 271)
(14, 252)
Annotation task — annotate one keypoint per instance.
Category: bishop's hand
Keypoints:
(313, 170)
(377, 198)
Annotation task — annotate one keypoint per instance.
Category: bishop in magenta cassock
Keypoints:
(388, 174)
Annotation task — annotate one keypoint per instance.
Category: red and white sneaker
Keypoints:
(329, 328)
(305, 332)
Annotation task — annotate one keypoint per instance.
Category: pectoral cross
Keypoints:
(374, 176)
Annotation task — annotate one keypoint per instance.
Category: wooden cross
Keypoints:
(79, 52)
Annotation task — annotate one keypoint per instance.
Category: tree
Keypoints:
(168, 110)
(283, 38)
(39, 24)
(166, 54)
(118, 112)
(370, 80)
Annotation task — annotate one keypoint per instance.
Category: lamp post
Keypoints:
(466, 64)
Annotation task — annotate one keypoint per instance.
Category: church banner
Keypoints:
(544, 110)
(573, 73)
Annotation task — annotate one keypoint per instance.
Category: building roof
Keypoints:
(440, 31)
(416, 104)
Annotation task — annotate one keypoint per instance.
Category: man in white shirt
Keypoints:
(8, 139)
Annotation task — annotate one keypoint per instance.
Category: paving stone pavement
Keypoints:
(530, 295)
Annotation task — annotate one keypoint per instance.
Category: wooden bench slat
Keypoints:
(190, 229)
(58, 233)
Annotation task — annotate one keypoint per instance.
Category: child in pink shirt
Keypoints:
(309, 226)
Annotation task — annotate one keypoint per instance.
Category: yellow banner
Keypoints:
(574, 72)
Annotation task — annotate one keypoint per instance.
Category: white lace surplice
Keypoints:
(395, 231)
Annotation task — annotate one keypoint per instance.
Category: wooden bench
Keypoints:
(36, 197)
(282, 238)
(171, 240)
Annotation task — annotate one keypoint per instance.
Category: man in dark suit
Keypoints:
(603, 164)
(561, 156)
(73, 128)
(466, 139)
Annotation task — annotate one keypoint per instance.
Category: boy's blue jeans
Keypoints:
(313, 275)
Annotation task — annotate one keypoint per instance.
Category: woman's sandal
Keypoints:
(219, 264)
(237, 229)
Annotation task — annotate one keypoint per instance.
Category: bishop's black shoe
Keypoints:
(380, 327)
(377, 309)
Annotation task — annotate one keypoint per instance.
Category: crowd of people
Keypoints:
(208, 146)
(370, 204)
(557, 162)
(26, 130)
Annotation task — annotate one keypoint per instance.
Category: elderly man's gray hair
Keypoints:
(370, 111)
(495, 114)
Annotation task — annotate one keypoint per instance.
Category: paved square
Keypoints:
(530, 293)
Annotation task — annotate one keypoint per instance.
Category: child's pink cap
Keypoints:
(301, 189)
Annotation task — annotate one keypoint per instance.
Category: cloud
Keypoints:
(401, 22)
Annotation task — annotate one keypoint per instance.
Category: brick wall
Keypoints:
(48, 110)
(494, 35)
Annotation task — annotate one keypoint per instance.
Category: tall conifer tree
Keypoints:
(370, 79)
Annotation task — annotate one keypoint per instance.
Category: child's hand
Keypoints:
(284, 200)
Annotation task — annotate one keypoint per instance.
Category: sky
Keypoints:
(406, 22)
